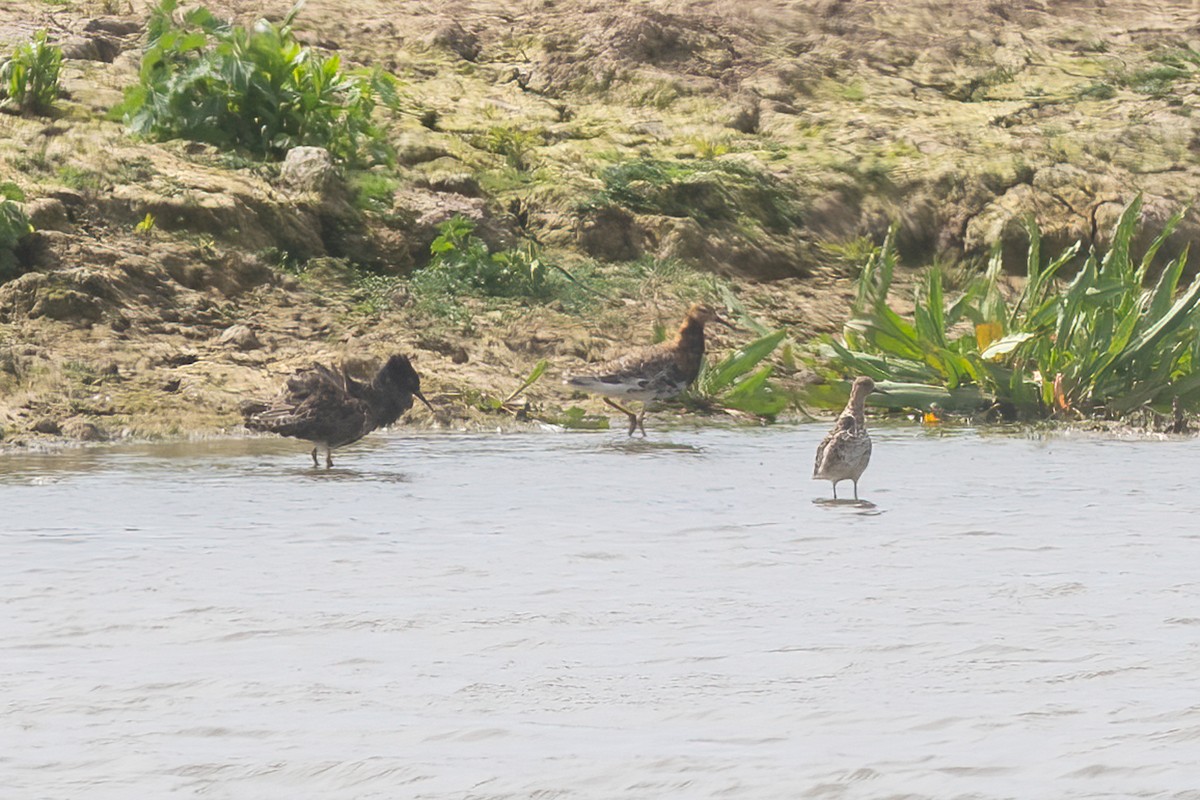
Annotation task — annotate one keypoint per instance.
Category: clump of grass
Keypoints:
(853, 92)
(706, 190)
(77, 178)
(1106, 342)
(1155, 81)
(517, 146)
(1097, 90)
(256, 88)
(29, 78)
(372, 294)
(14, 226)
(372, 191)
(710, 146)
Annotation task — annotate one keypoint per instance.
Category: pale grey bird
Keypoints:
(844, 454)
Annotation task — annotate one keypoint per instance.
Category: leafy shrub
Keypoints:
(1104, 342)
(256, 88)
(463, 265)
(29, 77)
(707, 190)
(14, 226)
(515, 145)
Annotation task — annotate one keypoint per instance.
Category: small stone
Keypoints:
(308, 169)
(48, 426)
(241, 337)
(48, 213)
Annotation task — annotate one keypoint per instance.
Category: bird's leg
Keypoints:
(314, 455)
(328, 457)
(641, 422)
(856, 491)
(835, 490)
(635, 420)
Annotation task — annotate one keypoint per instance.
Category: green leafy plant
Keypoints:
(29, 77)
(14, 226)
(508, 403)
(738, 382)
(256, 88)
(10, 191)
(1103, 342)
(463, 264)
(517, 146)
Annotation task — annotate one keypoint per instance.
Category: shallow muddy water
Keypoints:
(581, 616)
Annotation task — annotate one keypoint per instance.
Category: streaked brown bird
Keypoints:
(652, 372)
(845, 452)
(330, 409)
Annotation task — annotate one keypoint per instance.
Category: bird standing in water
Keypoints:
(652, 372)
(331, 409)
(844, 454)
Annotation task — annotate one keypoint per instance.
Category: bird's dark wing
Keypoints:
(650, 370)
(315, 404)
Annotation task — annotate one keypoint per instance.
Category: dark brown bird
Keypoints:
(652, 372)
(330, 409)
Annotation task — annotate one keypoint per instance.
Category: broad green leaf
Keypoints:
(742, 361)
(1005, 345)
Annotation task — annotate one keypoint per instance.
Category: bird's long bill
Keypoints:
(421, 397)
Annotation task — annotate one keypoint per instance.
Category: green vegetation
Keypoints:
(1158, 79)
(486, 402)
(1102, 343)
(29, 77)
(14, 226)
(1097, 90)
(257, 88)
(372, 191)
(463, 264)
(146, 226)
(738, 382)
(976, 89)
(517, 146)
(706, 190)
